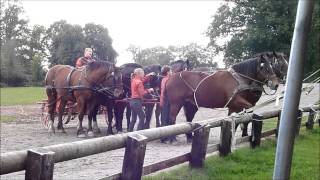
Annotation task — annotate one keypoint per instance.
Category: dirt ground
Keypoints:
(27, 132)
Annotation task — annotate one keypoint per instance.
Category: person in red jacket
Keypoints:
(137, 93)
(82, 61)
(164, 103)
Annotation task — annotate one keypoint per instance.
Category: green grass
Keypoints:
(246, 163)
(21, 95)
(5, 118)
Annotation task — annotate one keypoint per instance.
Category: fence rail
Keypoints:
(39, 162)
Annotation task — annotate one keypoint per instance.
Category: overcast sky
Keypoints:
(141, 23)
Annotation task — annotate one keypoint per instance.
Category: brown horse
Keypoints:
(65, 83)
(222, 88)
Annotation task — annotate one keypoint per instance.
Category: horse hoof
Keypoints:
(90, 134)
(81, 135)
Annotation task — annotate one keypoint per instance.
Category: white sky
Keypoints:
(141, 23)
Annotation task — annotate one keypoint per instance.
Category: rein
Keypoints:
(198, 85)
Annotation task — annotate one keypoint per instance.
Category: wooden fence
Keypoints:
(39, 162)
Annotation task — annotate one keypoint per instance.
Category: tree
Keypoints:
(66, 43)
(13, 35)
(97, 37)
(12, 71)
(155, 55)
(38, 73)
(255, 26)
(197, 55)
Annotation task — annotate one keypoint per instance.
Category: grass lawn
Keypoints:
(4, 118)
(246, 163)
(21, 95)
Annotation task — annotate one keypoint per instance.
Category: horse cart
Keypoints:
(70, 112)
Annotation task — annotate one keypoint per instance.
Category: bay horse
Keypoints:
(65, 83)
(105, 96)
(220, 89)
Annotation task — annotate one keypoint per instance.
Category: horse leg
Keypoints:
(81, 108)
(95, 127)
(174, 110)
(61, 111)
(51, 111)
(118, 112)
(128, 114)
(157, 113)
(110, 117)
(189, 110)
(91, 109)
(149, 112)
(240, 104)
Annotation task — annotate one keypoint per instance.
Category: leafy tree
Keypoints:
(13, 35)
(254, 26)
(148, 56)
(66, 43)
(97, 37)
(38, 73)
(12, 71)
(197, 55)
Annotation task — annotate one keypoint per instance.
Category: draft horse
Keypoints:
(226, 88)
(65, 83)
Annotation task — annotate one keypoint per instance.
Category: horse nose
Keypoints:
(276, 86)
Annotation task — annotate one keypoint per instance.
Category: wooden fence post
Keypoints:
(256, 130)
(39, 166)
(199, 147)
(134, 157)
(311, 119)
(299, 117)
(278, 123)
(226, 136)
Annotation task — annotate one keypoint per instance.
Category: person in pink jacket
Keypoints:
(164, 103)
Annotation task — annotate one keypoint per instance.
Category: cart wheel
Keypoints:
(45, 118)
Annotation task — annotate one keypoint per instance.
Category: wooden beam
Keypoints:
(39, 165)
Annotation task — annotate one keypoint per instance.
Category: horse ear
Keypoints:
(275, 54)
(262, 59)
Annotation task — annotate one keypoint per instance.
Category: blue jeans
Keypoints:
(136, 109)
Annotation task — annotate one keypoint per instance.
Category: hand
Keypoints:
(152, 74)
(150, 90)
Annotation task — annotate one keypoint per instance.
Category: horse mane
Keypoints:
(135, 65)
(247, 67)
(180, 61)
(98, 64)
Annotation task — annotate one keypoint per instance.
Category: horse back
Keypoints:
(57, 75)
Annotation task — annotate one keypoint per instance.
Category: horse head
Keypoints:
(279, 64)
(180, 65)
(105, 75)
(266, 73)
(126, 71)
(155, 81)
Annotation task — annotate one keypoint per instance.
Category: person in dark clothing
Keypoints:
(137, 93)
